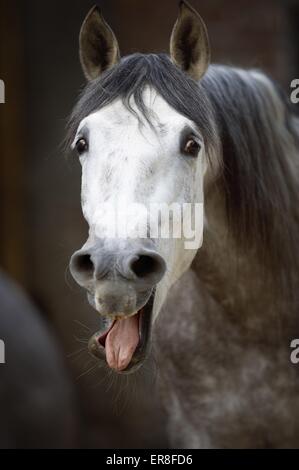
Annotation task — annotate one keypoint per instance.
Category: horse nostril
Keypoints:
(148, 266)
(82, 267)
(143, 266)
(83, 263)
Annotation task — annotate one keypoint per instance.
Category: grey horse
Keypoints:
(174, 129)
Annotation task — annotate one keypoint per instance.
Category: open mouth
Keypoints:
(124, 342)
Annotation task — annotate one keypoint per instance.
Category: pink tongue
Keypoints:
(121, 342)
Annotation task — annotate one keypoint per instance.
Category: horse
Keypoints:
(219, 317)
(37, 396)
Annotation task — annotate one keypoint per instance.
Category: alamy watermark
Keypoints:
(295, 351)
(164, 221)
(2, 92)
(2, 352)
(294, 357)
(295, 92)
(2, 344)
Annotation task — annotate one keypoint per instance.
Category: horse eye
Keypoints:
(192, 147)
(81, 146)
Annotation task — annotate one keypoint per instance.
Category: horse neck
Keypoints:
(237, 281)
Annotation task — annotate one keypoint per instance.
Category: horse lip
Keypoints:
(145, 326)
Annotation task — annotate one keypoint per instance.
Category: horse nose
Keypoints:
(142, 266)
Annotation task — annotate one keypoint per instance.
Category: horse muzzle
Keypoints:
(120, 280)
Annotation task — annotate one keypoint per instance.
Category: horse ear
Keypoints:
(98, 47)
(189, 43)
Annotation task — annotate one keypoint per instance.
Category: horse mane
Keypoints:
(259, 143)
(259, 135)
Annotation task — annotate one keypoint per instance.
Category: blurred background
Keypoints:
(40, 217)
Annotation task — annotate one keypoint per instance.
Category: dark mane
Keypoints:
(257, 135)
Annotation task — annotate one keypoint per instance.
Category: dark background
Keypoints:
(40, 217)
